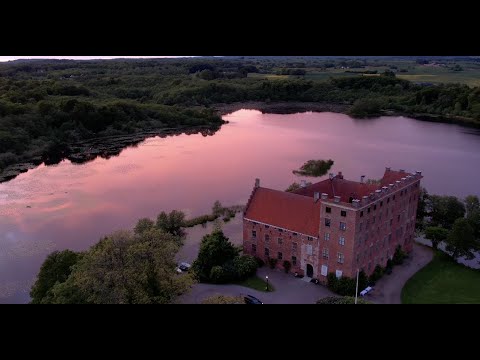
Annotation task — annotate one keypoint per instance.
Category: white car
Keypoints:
(184, 266)
(366, 291)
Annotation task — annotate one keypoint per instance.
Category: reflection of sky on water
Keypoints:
(72, 206)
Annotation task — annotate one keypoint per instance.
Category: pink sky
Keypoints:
(9, 58)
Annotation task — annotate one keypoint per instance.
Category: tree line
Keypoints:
(46, 106)
(452, 221)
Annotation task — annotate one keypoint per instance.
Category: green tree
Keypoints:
(217, 209)
(421, 207)
(445, 210)
(124, 268)
(55, 270)
(474, 221)
(436, 235)
(461, 241)
(143, 224)
(172, 223)
(245, 266)
(472, 204)
(366, 108)
(314, 168)
(215, 250)
(292, 187)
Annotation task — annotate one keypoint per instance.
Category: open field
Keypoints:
(443, 281)
(407, 70)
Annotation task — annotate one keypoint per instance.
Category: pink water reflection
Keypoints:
(72, 206)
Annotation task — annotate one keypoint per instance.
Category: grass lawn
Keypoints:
(256, 283)
(443, 281)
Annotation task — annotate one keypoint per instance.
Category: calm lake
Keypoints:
(72, 206)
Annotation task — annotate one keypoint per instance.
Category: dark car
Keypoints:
(249, 299)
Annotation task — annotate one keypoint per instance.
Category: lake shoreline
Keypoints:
(104, 146)
(299, 107)
(90, 149)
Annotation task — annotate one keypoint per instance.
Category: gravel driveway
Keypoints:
(288, 290)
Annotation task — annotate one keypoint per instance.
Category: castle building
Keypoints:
(335, 225)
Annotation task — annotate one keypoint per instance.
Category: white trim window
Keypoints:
(341, 240)
(327, 236)
(309, 249)
(340, 258)
(324, 271)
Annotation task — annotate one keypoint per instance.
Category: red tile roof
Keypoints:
(286, 210)
(296, 211)
(338, 187)
(391, 176)
(347, 188)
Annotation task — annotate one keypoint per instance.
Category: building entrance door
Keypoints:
(309, 270)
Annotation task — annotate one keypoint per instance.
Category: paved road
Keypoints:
(288, 290)
(389, 288)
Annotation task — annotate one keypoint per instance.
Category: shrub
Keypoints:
(343, 286)
(223, 299)
(259, 261)
(362, 281)
(346, 286)
(389, 264)
(332, 281)
(398, 256)
(377, 273)
(245, 266)
(272, 262)
(341, 300)
(287, 266)
(218, 275)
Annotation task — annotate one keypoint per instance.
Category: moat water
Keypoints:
(72, 206)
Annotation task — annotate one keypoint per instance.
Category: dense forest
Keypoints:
(48, 106)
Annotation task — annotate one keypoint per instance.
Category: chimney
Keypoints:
(378, 192)
(384, 188)
(418, 173)
(340, 175)
(257, 183)
(331, 176)
(356, 203)
(387, 169)
(364, 199)
(303, 183)
(316, 196)
(324, 196)
(362, 178)
(403, 179)
(336, 198)
(402, 170)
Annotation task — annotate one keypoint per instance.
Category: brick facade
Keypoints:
(358, 234)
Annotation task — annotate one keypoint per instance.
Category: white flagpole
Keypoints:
(356, 289)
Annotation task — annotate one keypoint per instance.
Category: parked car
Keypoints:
(184, 266)
(249, 299)
(366, 291)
